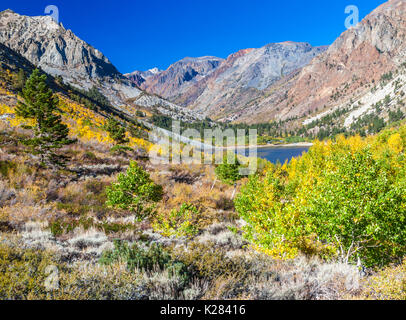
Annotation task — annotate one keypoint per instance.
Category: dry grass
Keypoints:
(222, 267)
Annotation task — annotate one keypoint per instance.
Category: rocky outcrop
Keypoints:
(50, 46)
(59, 52)
(249, 73)
(178, 78)
(218, 87)
(353, 64)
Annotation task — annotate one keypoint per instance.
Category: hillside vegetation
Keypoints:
(345, 198)
(111, 225)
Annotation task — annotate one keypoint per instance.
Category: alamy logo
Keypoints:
(190, 147)
(53, 11)
(353, 18)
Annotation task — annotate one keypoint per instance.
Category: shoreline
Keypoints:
(287, 145)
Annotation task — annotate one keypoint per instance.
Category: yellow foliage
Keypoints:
(83, 123)
(389, 284)
(14, 120)
(395, 143)
(286, 209)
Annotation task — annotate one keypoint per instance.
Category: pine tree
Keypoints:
(134, 191)
(228, 172)
(50, 134)
(19, 81)
(116, 131)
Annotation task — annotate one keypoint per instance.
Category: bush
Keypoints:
(204, 260)
(150, 259)
(27, 274)
(116, 131)
(120, 150)
(61, 227)
(6, 167)
(228, 172)
(345, 197)
(134, 191)
(22, 273)
(179, 223)
(140, 114)
(389, 284)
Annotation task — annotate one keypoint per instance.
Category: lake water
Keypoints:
(281, 154)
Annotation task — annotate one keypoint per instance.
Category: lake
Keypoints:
(281, 154)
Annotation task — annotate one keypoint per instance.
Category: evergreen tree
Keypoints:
(41, 105)
(228, 172)
(134, 191)
(116, 131)
(19, 81)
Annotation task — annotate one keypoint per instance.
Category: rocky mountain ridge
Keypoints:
(348, 70)
(178, 78)
(294, 81)
(210, 84)
(286, 81)
(59, 52)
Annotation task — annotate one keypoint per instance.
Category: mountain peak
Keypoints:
(59, 52)
(7, 11)
(289, 43)
(357, 59)
(209, 83)
(50, 46)
(154, 70)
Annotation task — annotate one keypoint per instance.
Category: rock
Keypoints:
(207, 84)
(361, 55)
(59, 52)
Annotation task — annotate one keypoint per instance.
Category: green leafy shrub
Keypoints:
(228, 171)
(388, 284)
(136, 257)
(345, 198)
(110, 228)
(179, 223)
(148, 259)
(134, 191)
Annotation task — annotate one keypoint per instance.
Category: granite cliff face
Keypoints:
(59, 52)
(360, 56)
(216, 86)
(347, 71)
(50, 46)
(178, 78)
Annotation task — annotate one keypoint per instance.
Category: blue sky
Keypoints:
(139, 35)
